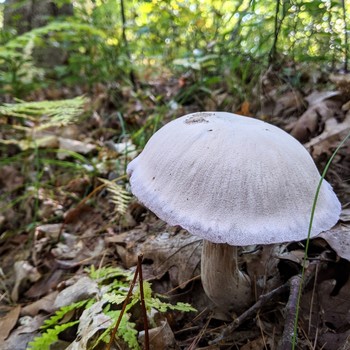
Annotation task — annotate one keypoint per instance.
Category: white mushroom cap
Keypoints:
(232, 179)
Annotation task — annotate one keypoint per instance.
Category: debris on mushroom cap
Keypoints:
(232, 179)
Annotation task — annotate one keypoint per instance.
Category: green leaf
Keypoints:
(50, 336)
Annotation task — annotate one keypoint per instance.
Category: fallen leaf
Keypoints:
(160, 338)
(21, 336)
(125, 246)
(178, 254)
(325, 316)
(288, 104)
(8, 322)
(45, 284)
(92, 321)
(339, 240)
(44, 304)
(319, 110)
(82, 289)
(329, 139)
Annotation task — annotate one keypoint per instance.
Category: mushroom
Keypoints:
(233, 181)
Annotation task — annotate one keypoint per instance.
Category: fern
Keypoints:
(117, 291)
(47, 113)
(59, 314)
(45, 341)
(120, 197)
(126, 331)
(107, 272)
(156, 303)
(53, 329)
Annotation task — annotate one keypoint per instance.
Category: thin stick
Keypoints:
(297, 284)
(143, 305)
(288, 332)
(250, 312)
(126, 301)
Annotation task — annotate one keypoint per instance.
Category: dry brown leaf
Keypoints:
(178, 254)
(330, 316)
(320, 109)
(160, 338)
(245, 109)
(21, 336)
(8, 321)
(288, 104)
(125, 245)
(43, 304)
(45, 284)
(330, 138)
(339, 240)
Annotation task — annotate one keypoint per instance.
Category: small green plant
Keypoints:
(53, 327)
(45, 114)
(29, 127)
(119, 196)
(113, 283)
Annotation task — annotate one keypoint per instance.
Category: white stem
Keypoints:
(228, 287)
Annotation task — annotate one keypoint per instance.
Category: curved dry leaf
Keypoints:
(178, 254)
(330, 138)
(320, 109)
(8, 322)
(339, 240)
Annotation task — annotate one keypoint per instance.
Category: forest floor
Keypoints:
(60, 227)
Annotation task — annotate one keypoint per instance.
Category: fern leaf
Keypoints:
(120, 197)
(46, 113)
(108, 272)
(59, 314)
(50, 336)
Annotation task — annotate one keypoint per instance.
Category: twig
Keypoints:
(292, 285)
(143, 305)
(287, 337)
(296, 283)
(126, 301)
(263, 299)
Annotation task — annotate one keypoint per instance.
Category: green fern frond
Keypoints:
(108, 272)
(126, 331)
(53, 29)
(120, 197)
(59, 314)
(47, 113)
(50, 336)
(155, 303)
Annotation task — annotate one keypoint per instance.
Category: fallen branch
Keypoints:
(292, 285)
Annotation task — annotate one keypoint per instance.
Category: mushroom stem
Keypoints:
(223, 282)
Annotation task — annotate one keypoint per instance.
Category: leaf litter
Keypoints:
(38, 265)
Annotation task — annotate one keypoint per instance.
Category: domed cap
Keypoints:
(232, 179)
